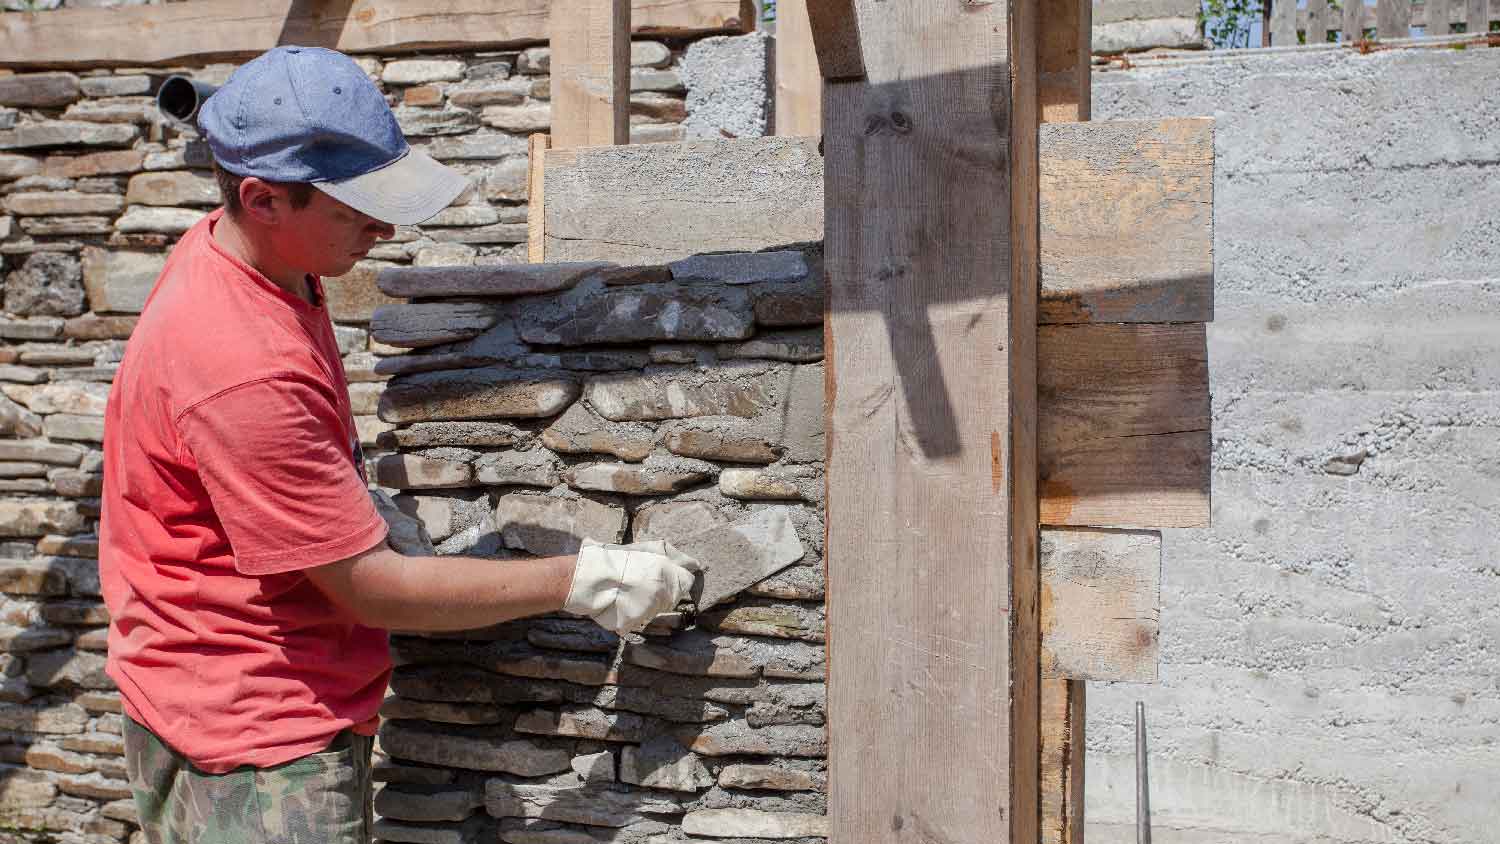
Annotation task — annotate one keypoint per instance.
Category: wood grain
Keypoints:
(228, 29)
(1124, 438)
(1317, 22)
(1064, 714)
(1101, 604)
(1353, 29)
(1393, 18)
(835, 33)
(1284, 23)
(799, 85)
(1065, 60)
(536, 198)
(1437, 19)
(590, 72)
(919, 484)
(1479, 13)
(1127, 221)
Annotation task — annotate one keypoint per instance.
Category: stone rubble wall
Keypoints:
(94, 189)
(546, 404)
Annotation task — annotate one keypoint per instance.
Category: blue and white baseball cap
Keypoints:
(309, 114)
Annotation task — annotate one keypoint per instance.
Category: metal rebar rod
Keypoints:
(1142, 784)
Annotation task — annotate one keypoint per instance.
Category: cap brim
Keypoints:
(409, 190)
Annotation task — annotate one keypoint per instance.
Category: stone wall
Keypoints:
(94, 190)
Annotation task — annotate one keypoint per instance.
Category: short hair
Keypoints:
(229, 187)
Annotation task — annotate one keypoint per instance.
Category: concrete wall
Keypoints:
(1331, 647)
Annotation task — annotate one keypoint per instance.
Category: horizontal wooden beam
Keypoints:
(182, 33)
(1123, 425)
(1457, 13)
(835, 33)
(1100, 604)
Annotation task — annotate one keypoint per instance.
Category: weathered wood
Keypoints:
(1393, 18)
(1478, 14)
(1353, 30)
(657, 203)
(835, 33)
(1284, 23)
(1127, 221)
(1101, 604)
(1437, 18)
(1064, 710)
(590, 72)
(152, 35)
(1065, 66)
(1316, 26)
(1125, 425)
(799, 85)
(919, 473)
(1356, 14)
(536, 199)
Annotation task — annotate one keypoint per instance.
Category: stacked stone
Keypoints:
(95, 187)
(541, 405)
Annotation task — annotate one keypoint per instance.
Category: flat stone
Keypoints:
(115, 86)
(621, 276)
(110, 163)
(48, 284)
(749, 823)
(506, 233)
(422, 71)
(581, 431)
(736, 738)
(534, 61)
(582, 722)
(45, 756)
(757, 485)
(649, 54)
(518, 119)
(742, 267)
(84, 398)
(664, 763)
(486, 92)
(666, 519)
(141, 218)
(476, 147)
(68, 667)
(73, 483)
(766, 778)
(417, 471)
(727, 439)
(431, 324)
(97, 327)
(60, 226)
(427, 804)
(44, 203)
(68, 426)
(100, 743)
(507, 181)
(59, 133)
(464, 215)
(656, 476)
(41, 451)
(100, 702)
(410, 741)
(354, 296)
(22, 374)
(476, 394)
(114, 110)
(426, 434)
(468, 714)
(797, 583)
(56, 719)
(779, 621)
(656, 81)
(173, 187)
(595, 768)
(17, 421)
(119, 282)
(535, 467)
(423, 95)
(458, 684)
(730, 390)
(75, 613)
(434, 121)
(590, 806)
(639, 314)
(384, 770)
(24, 639)
(444, 255)
(25, 789)
(549, 526)
(39, 328)
(694, 654)
(18, 166)
(587, 361)
(23, 470)
(29, 517)
(38, 90)
(513, 280)
(471, 831)
(804, 346)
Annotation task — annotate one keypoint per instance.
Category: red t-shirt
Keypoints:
(232, 465)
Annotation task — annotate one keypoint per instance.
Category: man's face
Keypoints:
(328, 237)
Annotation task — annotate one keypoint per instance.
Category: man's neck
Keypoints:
(242, 243)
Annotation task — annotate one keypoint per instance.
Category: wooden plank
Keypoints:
(1101, 604)
(1065, 60)
(835, 33)
(229, 29)
(1458, 12)
(536, 197)
(799, 85)
(1127, 221)
(1124, 438)
(1317, 22)
(1064, 712)
(590, 73)
(1353, 30)
(652, 203)
(1436, 20)
(1477, 16)
(1284, 23)
(1393, 18)
(919, 338)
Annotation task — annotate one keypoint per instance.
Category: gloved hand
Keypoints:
(407, 535)
(623, 587)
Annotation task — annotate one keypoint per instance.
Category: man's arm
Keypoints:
(382, 588)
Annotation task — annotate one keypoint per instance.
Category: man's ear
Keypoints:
(261, 201)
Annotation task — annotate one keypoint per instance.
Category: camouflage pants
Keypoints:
(323, 798)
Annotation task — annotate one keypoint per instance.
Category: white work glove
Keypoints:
(623, 587)
(406, 535)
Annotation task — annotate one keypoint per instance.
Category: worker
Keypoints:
(245, 566)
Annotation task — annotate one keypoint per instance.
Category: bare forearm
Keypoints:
(386, 589)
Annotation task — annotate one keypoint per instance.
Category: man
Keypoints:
(244, 565)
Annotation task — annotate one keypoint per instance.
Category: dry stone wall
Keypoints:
(94, 190)
(545, 404)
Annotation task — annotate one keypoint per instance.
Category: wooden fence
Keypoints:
(1318, 21)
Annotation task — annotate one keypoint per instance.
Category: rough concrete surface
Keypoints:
(1330, 671)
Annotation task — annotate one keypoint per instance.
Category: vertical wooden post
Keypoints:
(799, 86)
(590, 72)
(1317, 21)
(1392, 18)
(1437, 18)
(1066, 96)
(536, 197)
(931, 381)
(1354, 21)
(1478, 18)
(1284, 23)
